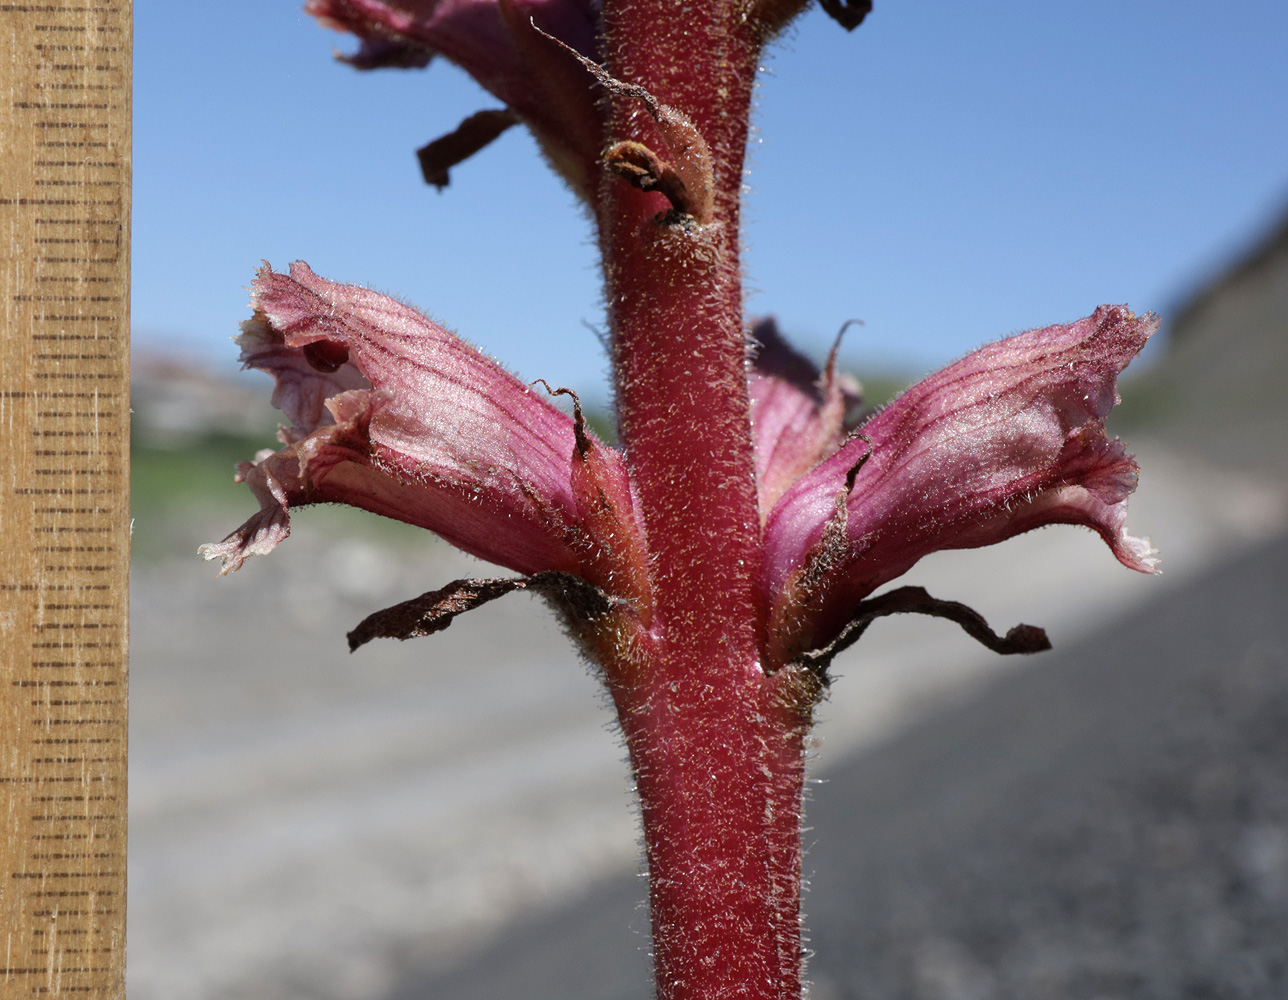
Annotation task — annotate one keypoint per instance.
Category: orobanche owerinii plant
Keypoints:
(714, 562)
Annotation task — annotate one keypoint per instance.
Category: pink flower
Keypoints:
(1008, 439)
(495, 42)
(391, 413)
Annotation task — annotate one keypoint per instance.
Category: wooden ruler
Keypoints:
(64, 494)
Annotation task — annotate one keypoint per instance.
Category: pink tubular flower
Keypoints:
(495, 42)
(394, 414)
(1008, 439)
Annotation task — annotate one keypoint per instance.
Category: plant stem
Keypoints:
(675, 303)
(716, 744)
(719, 770)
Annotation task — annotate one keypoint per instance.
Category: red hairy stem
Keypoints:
(719, 770)
(675, 305)
(716, 745)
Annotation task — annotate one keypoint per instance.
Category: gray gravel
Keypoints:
(1113, 823)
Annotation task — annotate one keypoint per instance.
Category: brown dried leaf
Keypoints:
(471, 135)
(915, 600)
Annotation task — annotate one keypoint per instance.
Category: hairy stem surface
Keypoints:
(716, 745)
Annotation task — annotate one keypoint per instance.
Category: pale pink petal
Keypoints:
(1008, 439)
(263, 531)
(333, 466)
(305, 379)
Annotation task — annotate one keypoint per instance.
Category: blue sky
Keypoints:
(948, 173)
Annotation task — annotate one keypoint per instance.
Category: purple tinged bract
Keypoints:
(798, 414)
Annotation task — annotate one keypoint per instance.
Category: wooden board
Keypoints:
(64, 495)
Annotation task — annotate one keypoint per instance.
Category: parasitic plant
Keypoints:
(713, 563)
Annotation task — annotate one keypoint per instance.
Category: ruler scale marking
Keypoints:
(64, 497)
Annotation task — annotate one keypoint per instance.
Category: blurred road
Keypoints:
(306, 823)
